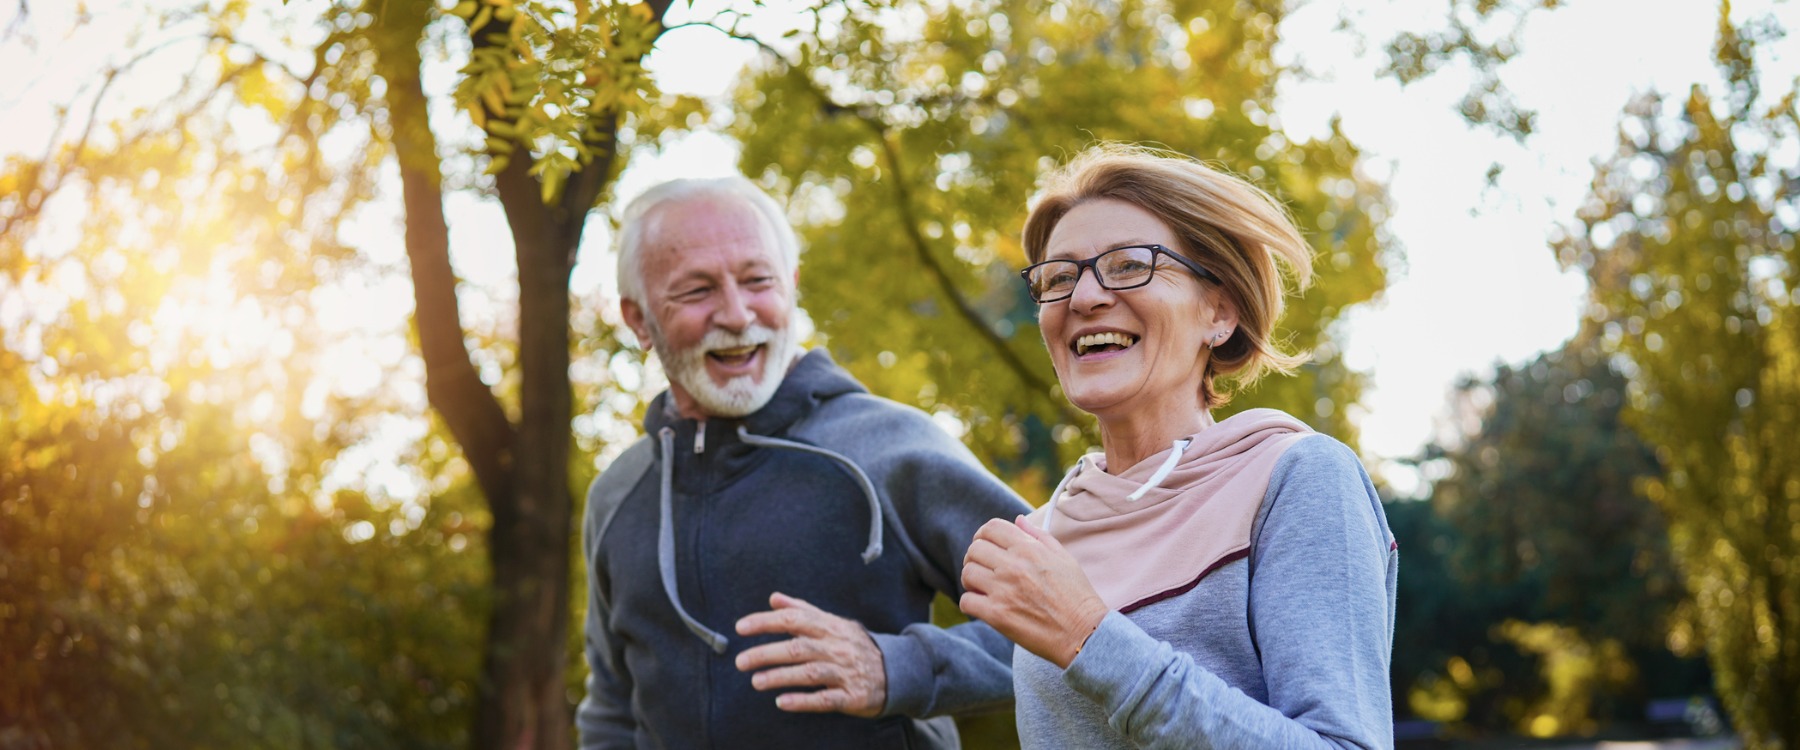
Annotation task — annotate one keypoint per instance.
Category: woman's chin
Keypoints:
(1100, 403)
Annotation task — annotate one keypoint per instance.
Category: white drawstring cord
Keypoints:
(1050, 507)
(1162, 472)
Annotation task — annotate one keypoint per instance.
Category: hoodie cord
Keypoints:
(1050, 507)
(1162, 472)
(1176, 448)
(862, 480)
(665, 547)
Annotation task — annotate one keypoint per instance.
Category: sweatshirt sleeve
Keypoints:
(603, 719)
(1319, 613)
(940, 496)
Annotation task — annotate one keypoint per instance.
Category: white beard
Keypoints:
(741, 395)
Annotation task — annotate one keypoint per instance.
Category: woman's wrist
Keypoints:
(1089, 625)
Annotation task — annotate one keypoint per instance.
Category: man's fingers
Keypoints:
(852, 701)
(804, 620)
(805, 675)
(790, 651)
(779, 600)
(818, 701)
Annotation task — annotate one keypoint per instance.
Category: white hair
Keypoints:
(638, 224)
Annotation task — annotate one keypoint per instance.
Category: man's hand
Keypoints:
(828, 652)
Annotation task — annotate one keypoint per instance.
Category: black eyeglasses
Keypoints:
(1126, 267)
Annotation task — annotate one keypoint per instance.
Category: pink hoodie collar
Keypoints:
(1197, 518)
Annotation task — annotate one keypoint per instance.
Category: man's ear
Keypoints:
(637, 322)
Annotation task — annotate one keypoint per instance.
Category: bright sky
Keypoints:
(1479, 284)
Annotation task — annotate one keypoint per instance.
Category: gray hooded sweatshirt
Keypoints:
(859, 505)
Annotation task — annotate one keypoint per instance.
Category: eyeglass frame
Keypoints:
(1093, 264)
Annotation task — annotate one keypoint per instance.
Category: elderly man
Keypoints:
(761, 566)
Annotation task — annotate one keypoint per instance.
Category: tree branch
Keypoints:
(587, 182)
(41, 183)
(922, 249)
(18, 22)
(452, 385)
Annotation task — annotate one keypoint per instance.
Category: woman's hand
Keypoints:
(1021, 581)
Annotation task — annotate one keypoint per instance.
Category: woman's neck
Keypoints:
(1129, 440)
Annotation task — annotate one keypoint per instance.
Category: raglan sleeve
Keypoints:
(940, 494)
(603, 719)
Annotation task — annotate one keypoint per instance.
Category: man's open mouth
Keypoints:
(735, 356)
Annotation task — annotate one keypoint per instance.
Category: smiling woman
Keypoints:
(1231, 581)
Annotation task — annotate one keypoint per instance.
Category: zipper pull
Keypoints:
(700, 436)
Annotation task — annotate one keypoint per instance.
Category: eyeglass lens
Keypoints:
(1121, 268)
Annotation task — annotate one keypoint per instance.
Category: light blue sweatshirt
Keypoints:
(1288, 648)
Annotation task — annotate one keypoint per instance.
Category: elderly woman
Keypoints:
(1199, 583)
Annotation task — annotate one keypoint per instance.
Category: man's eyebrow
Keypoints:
(689, 276)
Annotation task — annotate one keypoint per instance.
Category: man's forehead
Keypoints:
(704, 222)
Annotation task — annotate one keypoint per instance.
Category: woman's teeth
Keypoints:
(1099, 341)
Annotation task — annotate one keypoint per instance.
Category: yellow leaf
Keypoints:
(496, 164)
(491, 95)
(503, 84)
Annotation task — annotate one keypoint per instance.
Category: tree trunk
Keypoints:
(523, 469)
(523, 702)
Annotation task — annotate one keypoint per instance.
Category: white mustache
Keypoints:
(719, 338)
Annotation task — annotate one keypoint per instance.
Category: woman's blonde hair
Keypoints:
(1227, 225)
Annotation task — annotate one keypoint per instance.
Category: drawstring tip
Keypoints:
(871, 553)
(717, 643)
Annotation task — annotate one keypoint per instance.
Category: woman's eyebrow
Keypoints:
(1109, 247)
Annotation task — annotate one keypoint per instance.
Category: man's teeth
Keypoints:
(742, 351)
(1092, 341)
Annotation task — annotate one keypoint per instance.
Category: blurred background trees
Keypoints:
(187, 554)
(225, 208)
(225, 519)
(1540, 597)
(1688, 244)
